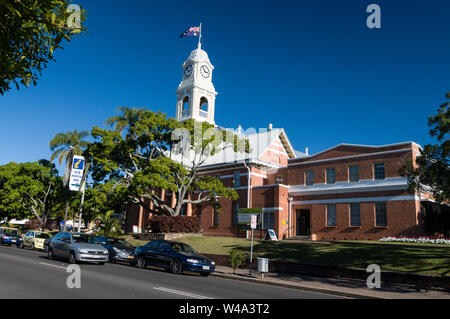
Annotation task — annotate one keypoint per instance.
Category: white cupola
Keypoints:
(196, 94)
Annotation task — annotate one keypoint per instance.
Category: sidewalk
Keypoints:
(342, 287)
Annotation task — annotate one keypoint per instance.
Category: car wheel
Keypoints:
(72, 259)
(205, 274)
(101, 263)
(175, 267)
(141, 263)
(50, 254)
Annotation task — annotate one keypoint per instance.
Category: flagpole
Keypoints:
(200, 37)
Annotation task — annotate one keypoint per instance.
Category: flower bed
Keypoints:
(419, 240)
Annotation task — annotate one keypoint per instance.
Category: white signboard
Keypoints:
(272, 235)
(253, 222)
(76, 173)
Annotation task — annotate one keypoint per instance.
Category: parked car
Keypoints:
(173, 256)
(77, 247)
(34, 239)
(119, 249)
(9, 236)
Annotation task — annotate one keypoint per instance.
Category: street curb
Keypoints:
(284, 285)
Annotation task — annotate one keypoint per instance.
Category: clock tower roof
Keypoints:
(199, 55)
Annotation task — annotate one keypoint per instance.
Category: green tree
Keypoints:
(432, 173)
(103, 197)
(63, 145)
(148, 157)
(30, 33)
(128, 118)
(30, 190)
(108, 224)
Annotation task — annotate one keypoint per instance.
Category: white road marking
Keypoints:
(65, 268)
(178, 292)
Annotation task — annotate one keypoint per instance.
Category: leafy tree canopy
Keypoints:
(30, 32)
(432, 172)
(30, 190)
(146, 155)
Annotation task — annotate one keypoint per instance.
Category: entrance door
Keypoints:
(303, 224)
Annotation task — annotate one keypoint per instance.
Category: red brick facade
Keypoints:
(278, 186)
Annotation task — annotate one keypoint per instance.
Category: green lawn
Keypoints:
(406, 258)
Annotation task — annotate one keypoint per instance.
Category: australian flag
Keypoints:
(191, 32)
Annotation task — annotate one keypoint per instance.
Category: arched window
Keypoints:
(204, 107)
(185, 111)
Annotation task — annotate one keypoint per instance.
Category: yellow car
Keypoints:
(35, 239)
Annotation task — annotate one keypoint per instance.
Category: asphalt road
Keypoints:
(27, 273)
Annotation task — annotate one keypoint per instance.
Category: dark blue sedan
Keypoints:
(173, 256)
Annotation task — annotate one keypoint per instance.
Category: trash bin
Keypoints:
(263, 266)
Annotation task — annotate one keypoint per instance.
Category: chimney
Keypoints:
(306, 151)
(270, 126)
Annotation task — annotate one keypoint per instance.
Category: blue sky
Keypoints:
(311, 67)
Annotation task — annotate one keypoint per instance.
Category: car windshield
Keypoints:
(84, 238)
(41, 235)
(182, 248)
(119, 242)
(11, 232)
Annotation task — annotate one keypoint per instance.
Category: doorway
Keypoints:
(303, 222)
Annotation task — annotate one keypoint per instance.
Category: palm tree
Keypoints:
(65, 144)
(127, 118)
(108, 224)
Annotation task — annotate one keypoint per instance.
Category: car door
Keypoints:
(163, 257)
(56, 244)
(150, 252)
(28, 239)
(66, 245)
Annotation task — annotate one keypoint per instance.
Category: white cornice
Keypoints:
(388, 184)
(350, 157)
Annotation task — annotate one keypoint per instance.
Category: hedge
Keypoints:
(174, 224)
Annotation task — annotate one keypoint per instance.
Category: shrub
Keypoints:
(237, 258)
(174, 224)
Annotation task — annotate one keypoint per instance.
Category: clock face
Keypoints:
(205, 72)
(188, 71)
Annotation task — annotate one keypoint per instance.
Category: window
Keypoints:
(235, 213)
(278, 179)
(380, 214)
(331, 215)
(153, 244)
(216, 218)
(309, 177)
(353, 173)
(331, 176)
(185, 111)
(236, 179)
(203, 107)
(355, 214)
(268, 220)
(379, 171)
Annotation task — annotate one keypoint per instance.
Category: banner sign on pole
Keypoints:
(76, 173)
(253, 221)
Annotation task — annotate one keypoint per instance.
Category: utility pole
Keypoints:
(83, 189)
(66, 183)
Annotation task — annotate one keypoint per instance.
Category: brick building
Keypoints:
(347, 192)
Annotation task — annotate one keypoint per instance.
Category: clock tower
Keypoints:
(196, 94)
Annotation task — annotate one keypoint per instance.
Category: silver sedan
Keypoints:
(77, 247)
